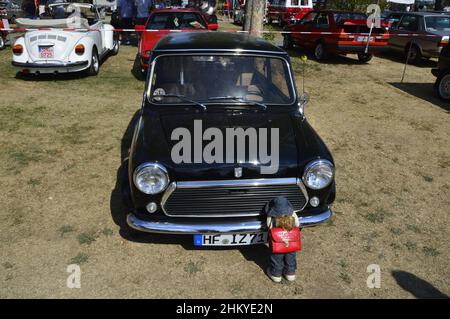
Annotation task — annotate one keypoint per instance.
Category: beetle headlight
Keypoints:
(151, 178)
(318, 174)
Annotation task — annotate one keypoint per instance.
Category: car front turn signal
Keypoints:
(79, 49)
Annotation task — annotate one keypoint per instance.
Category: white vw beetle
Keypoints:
(72, 38)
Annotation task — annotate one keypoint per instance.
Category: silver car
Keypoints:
(422, 34)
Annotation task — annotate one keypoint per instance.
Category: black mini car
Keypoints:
(442, 74)
(220, 133)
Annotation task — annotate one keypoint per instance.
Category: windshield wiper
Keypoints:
(181, 97)
(239, 99)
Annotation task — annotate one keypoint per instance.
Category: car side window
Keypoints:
(409, 23)
(309, 18)
(321, 20)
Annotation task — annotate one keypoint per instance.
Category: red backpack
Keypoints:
(283, 241)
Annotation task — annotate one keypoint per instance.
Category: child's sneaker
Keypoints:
(290, 277)
(274, 278)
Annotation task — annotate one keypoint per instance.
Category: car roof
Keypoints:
(215, 41)
(424, 13)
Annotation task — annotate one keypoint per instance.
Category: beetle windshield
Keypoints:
(203, 78)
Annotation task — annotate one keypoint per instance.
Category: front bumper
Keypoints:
(231, 225)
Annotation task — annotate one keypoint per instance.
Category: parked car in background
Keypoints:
(222, 81)
(287, 11)
(346, 32)
(442, 74)
(11, 10)
(54, 49)
(422, 34)
(162, 22)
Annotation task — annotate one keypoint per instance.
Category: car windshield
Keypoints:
(255, 80)
(437, 23)
(342, 16)
(176, 20)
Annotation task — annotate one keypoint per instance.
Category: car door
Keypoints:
(304, 25)
(321, 24)
(98, 34)
(401, 34)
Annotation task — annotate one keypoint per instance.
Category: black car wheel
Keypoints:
(414, 55)
(320, 51)
(443, 87)
(280, 21)
(116, 46)
(95, 63)
(287, 42)
(365, 57)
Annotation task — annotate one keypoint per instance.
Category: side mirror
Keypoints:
(139, 27)
(303, 99)
(213, 26)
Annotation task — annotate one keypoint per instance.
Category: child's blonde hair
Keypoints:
(285, 222)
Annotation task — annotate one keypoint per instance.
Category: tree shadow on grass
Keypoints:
(424, 91)
(418, 287)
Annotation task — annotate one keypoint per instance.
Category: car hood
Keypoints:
(297, 143)
(62, 42)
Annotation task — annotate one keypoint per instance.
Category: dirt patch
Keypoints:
(60, 141)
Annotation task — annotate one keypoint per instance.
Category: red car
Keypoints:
(162, 22)
(287, 11)
(336, 32)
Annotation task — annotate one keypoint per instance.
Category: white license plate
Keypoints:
(46, 52)
(363, 39)
(230, 239)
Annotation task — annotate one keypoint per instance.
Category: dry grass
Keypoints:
(60, 142)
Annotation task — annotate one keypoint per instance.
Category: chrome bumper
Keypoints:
(50, 65)
(201, 227)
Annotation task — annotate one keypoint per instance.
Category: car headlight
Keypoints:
(151, 178)
(318, 174)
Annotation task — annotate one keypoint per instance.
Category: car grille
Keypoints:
(244, 199)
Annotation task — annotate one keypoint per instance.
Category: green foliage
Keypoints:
(354, 5)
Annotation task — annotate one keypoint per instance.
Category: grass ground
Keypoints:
(60, 142)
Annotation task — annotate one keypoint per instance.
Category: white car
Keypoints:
(72, 38)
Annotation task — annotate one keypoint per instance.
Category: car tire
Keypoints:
(269, 21)
(116, 46)
(95, 63)
(320, 52)
(287, 42)
(415, 56)
(2, 43)
(443, 86)
(364, 57)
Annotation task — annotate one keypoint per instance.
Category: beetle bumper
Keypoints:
(194, 226)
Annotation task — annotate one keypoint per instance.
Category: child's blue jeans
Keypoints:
(283, 264)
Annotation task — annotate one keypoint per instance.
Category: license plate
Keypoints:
(363, 39)
(230, 239)
(46, 52)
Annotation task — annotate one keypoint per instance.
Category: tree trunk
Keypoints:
(254, 16)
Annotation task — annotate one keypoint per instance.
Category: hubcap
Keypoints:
(95, 62)
(444, 87)
(413, 54)
(318, 51)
